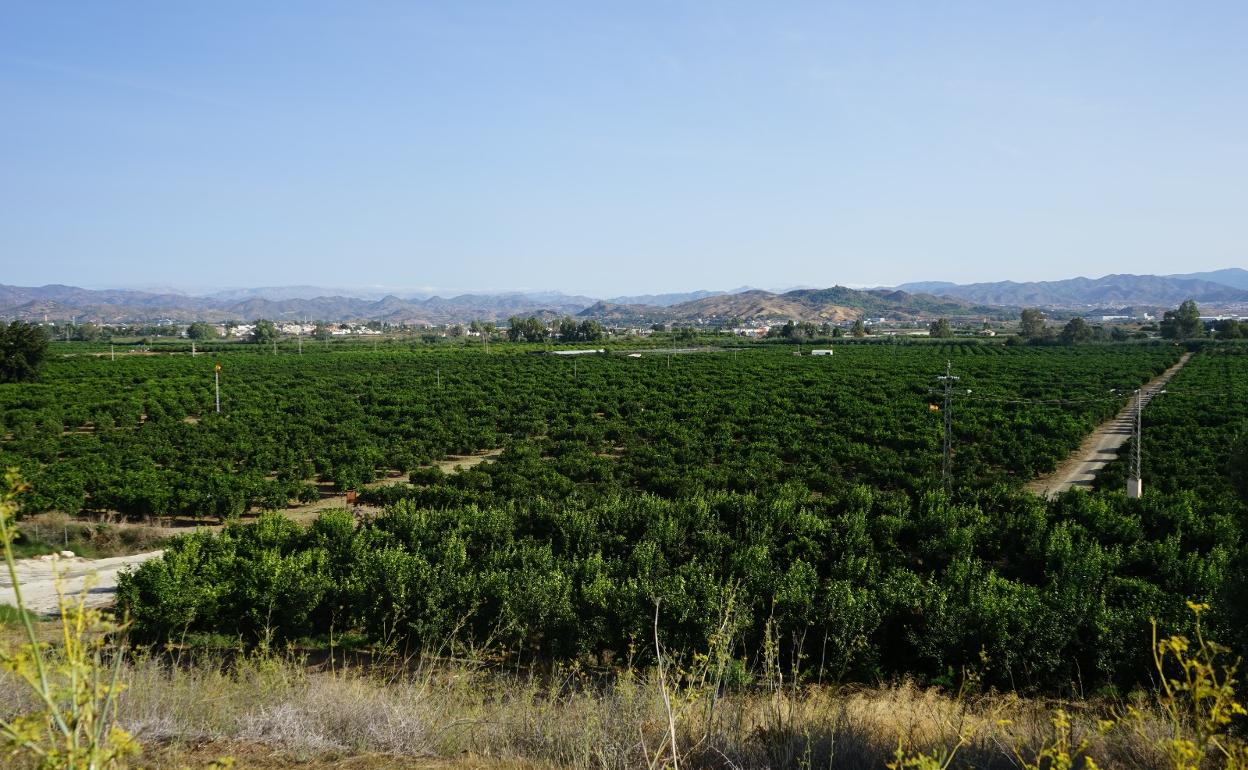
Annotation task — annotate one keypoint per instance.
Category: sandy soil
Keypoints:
(38, 580)
(1102, 445)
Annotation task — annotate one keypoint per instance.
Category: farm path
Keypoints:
(38, 579)
(1102, 445)
(308, 512)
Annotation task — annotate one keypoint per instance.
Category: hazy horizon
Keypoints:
(365, 290)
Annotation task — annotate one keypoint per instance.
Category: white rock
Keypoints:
(67, 554)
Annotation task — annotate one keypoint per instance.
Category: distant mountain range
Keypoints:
(107, 306)
(834, 305)
(1236, 277)
(1218, 289)
(1221, 287)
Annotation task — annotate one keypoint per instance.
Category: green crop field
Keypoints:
(140, 435)
(800, 496)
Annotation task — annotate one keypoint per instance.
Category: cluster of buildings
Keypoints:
(298, 329)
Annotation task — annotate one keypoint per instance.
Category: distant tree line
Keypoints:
(585, 331)
(529, 329)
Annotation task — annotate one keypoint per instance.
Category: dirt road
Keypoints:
(1102, 445)
(37, 577)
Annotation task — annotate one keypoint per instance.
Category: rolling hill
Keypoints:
(57, 302)
(1107, 291)
(833, 305)
(837, 304)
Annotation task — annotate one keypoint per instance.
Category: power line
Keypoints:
(946, 467)
(1093, 399)
(1135, 486)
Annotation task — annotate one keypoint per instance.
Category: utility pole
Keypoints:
(946, 468)
(112, 354)
(1135, 484)
(439, 378)
(300, 337)
(216, 374)
(192, 348)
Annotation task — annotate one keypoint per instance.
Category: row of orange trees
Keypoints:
(141, 436)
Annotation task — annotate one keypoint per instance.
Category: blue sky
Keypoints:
(615, 148)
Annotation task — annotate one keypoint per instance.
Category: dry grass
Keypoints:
(278, 713)
(53, 532)
(261, 757)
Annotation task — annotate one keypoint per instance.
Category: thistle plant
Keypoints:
(74, 724)
(1195, 699)
(1196, 695)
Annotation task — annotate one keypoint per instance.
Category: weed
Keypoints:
(74, 725)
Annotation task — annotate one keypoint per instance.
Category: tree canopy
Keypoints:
(1231, 329)
(796, 331)
(264, 332)
(526, 329)
(940, 328)
(201, 331)
(1076, 330)
(23, 347)
(1184, 323)
(1031, 324)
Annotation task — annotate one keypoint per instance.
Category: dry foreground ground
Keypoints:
(271, 711)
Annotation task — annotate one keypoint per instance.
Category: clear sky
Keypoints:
(618, 147)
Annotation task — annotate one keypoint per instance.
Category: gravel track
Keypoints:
(1102, 445)
(38, 578)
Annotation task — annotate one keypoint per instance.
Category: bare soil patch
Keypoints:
(258, 756)
(456, 463)
(43, 580)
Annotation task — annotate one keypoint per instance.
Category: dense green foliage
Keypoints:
(1183, 323)
(1195, 459)
(940, 328)
(804, 488)
(201, 331)
(526, 329)
(863, 585)
(1031, 324)
(23, 347)
(264, 332)
(140, 436)
(585, 331)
